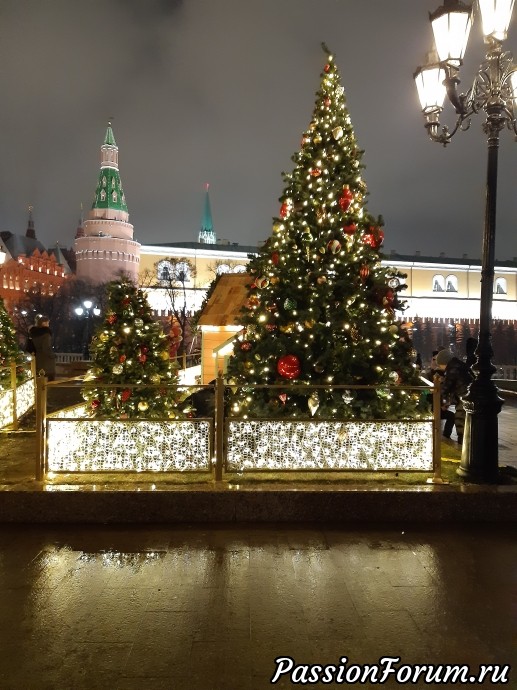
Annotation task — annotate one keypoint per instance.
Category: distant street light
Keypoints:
(494, 91)
(87, 310)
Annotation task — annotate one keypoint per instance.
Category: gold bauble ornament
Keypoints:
(143, 406)
(103, 337)
(317, 139)
(164, 355)
(337, 133)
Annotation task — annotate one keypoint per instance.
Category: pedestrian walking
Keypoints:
(456, 381)
(40, 344)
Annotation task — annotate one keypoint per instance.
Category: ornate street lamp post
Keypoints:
(87, 309)
(494, 91)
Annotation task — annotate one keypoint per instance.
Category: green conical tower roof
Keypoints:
(110, 137)
(207, 234)
(109, 193)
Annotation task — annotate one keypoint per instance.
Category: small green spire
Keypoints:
(207, 234)
(110, 137)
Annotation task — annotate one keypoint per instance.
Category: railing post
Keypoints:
(219, 427)
(33, 367)
(13, 388)
(437, 431)
(41, 426)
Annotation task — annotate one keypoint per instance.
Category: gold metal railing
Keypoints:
(221, 421)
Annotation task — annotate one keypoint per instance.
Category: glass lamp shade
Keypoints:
(495, 16)
(429, 83)
(79, 311)
(88, 303)
(451, 27)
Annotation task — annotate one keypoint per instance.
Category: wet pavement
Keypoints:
(211, 608)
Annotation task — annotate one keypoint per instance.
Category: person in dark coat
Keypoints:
(40, 343)
(456, 381)
(470, 349)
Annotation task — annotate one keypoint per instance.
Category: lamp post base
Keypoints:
(479, 455)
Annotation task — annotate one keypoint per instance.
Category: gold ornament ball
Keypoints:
(143, 406)
(317, 139)
(164, 355)
(103, 337)
(337, 133)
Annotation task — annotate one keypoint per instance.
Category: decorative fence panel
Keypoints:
(16, 400)
(95, 445)
(275, 445)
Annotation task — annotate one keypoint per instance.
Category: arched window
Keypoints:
(182, 272)
(500, 286)
(222, 268)
(240, 268)
(451, 284)
(164, 270)
(438, 283)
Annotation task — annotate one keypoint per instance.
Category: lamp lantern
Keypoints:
(429, 83)
(495, 16)
(451, 28)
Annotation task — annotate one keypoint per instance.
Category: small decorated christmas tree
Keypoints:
(9, 350)
(321, 308)
(130, 348)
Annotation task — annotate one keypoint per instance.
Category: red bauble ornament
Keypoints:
(334, 246)
(246, 346)
(369, 239)
(346, 198)
(327, 102)
(326, 68)
(271, 327)
(284, 209)
(350, 229)
(122, 359)
(275, 258)
(289, 366)
(388, 298)
(364, 272)
(125, 395)
(283, 398)
(142, 359)
(315, 172)
(111, 319)
(95, 404)
(144, 349)
(374, 236)
(262, 282)
(126, 301)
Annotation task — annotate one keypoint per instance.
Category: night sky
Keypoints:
(220, 91)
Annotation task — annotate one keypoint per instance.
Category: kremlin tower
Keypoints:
(105, 248)
(207, 234)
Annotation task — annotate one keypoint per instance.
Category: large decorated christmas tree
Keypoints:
(130, 348)
(10, 350)
(321, 308)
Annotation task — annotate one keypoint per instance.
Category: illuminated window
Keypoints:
(223, 268)
(451, 284)
(438, 283)
(500, 286)
(164, 270)
(240, 268)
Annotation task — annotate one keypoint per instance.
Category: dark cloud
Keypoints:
(221, 92)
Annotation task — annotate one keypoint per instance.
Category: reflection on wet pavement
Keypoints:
(211, 608)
